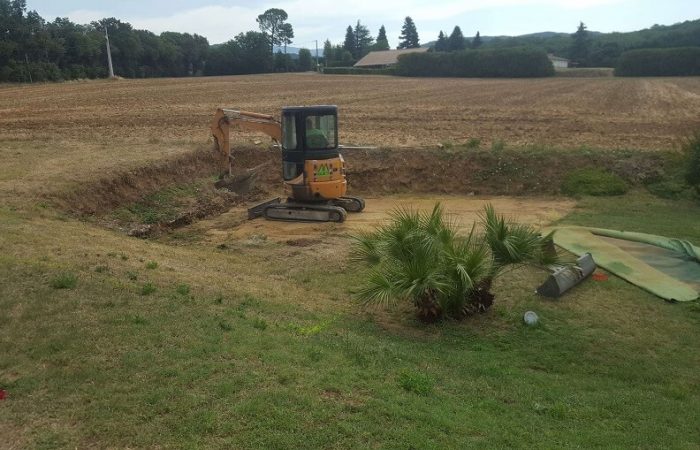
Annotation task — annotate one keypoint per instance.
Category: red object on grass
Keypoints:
(598, 276)
(3, 394)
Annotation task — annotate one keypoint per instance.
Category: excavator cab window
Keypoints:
(289, 132)
(321, 132)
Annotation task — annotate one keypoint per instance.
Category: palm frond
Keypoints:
(510, 242)
(366, 248)
(380, 290)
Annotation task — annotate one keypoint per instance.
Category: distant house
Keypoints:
(385, 58)
(557, 62)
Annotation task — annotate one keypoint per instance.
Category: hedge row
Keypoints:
(357, 71)
(43, 71)
(679, 61)
(516, 62)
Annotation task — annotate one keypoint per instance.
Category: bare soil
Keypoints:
(233, 226)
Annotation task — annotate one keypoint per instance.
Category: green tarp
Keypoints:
(668, 268)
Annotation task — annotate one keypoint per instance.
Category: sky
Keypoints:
(220, 20)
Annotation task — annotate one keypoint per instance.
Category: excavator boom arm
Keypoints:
(244, 120)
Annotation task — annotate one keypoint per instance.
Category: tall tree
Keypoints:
(456, 40)
(409, 35)
(580, 46)
(441, 43)
(363, 40)
(286, 35)
(272, 24)
(305, 61)
(382, 41)
(328, 53)
(349, 43)
(476, 42)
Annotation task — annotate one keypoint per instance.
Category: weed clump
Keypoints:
(148, 289)
(592, 181)
(183, 289)
(259, 324)
(151, 265)
(418, 383)
(498, 146)
(473, 143)
(64, 281)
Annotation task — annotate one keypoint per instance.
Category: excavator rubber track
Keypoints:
(350, 203)
(304, 212)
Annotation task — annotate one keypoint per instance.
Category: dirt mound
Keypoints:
(117, 189)
(534, 171)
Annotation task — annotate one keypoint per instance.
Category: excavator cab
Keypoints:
(308, 133)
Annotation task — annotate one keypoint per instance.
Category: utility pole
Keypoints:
(109, 55)
(316, 54)
(29, 69)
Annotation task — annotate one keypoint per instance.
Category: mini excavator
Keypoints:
(312, 167)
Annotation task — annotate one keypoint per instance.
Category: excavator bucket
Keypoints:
(565, 277)
(241, 183)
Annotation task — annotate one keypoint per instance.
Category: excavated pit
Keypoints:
(416, 177)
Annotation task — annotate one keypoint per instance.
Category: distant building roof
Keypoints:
(556, 58)
(386, 57)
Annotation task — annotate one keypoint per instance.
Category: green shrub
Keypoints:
(515, 62)
(650, 62)
(668, 189)
(592, 181)
(691, 150)
(64, 281)
(151, 265)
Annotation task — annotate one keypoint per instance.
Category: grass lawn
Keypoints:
(109, 341)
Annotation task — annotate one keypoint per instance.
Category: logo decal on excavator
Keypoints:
(323, 171)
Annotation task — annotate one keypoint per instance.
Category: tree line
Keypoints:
(33, 49)
(591, 49)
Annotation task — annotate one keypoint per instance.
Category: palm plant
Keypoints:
(421, 258)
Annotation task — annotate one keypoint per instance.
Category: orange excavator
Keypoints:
(312, 167)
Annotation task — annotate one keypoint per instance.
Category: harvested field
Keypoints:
(83, 129)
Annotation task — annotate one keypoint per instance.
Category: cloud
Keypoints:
(84, 16)
(326, 20)
(217, 23)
